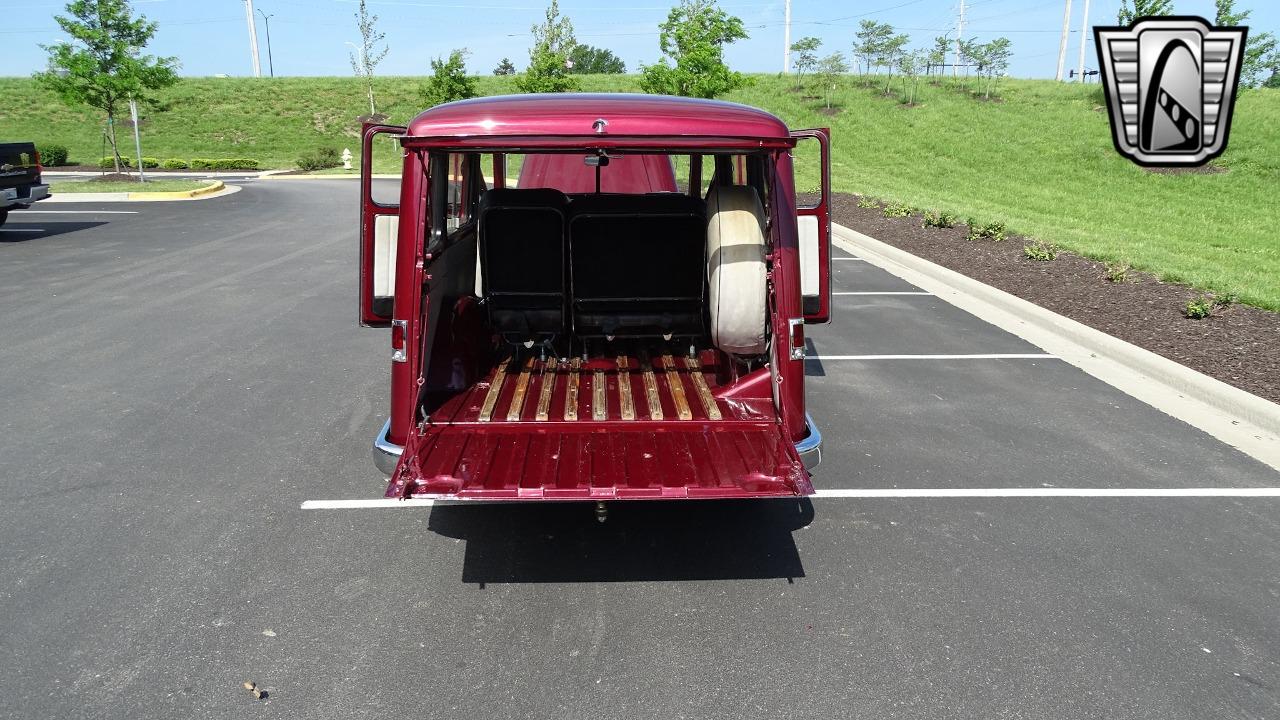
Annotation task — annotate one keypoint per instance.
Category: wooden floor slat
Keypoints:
(522, 386)
(495, 389)
(599, 399)
(704, 393)
(628, 408)
(651, 390)
(676, 386)
(548, 379)
(571, 393)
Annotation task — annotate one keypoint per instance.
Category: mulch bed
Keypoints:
(1237, 344)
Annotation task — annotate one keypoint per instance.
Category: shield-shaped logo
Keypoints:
(1171, 85)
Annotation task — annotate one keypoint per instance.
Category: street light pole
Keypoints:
(266, 20)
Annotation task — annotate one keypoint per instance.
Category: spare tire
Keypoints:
(736, 270)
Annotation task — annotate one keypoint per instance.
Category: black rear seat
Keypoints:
(637, 264)
(522, 246)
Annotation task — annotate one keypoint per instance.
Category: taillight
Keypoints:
(399, 340)
(39, 167)
(797, 338)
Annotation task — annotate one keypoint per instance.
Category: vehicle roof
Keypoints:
(575, 114)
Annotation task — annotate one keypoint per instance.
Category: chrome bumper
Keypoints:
(810, 448)
(9, 197)
(386, 453)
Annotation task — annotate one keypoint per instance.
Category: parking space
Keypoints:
(179, 379)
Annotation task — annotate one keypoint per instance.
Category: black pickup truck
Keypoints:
(19, 178)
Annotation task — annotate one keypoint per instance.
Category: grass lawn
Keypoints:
(82, 186)
(1040, 159)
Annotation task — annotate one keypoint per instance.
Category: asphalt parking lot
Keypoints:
(179, 377)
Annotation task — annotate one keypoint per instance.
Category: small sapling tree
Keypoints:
(370, 55)
(806, 50)
(830, 68)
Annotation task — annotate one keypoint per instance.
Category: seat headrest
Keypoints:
(523, 198)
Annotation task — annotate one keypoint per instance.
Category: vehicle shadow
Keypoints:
(13, 232)
(640, 540)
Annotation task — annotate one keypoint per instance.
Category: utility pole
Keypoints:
(786, 39)
(253, 37)
(959, 34)
(266, 21)
(1084, 37)
(1062, 46)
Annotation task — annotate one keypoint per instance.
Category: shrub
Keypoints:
(866, 201)
(897, 209)
(52, 155)
(150, 162)
(110, 162)
(939, 219)
(990, 231)
(174, 164)
(235, 164)
(201, 164)
(1040, 250)
(320, 159)
(1117, 272)
(1199, 308)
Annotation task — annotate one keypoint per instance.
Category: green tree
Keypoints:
(1260, 60)
(449, 80)
(102, 65)
(890, 50)
(996, 55)
(588, 60)
(548, 69)
(693, 39)
(869, 41)
(806, 50)
(1143, 8)
(937, 55)
(909, 66)
(829, 70)
(370, 55)
(506, 67)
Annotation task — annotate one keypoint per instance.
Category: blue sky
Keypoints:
(308, 36)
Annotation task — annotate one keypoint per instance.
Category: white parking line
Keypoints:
(849, 258)
(871, 494)
(886, 292)
(1025, 492)
(985, 356)
(22, 230)
(81, 212)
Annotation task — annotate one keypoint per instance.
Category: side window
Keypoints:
(806, 162)
(457, 182)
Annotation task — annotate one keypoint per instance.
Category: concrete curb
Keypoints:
(212, 187)
(1240, 419)
(355, 176)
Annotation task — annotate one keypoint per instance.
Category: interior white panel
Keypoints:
(386, 229)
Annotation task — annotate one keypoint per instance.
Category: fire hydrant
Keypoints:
(346, 158)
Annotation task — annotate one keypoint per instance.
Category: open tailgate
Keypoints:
(590, 433)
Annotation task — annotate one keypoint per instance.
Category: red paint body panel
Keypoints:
(624, 174)
(626, 115)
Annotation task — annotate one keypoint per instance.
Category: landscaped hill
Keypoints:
(1039, 159)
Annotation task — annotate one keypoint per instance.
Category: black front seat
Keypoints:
(522, 247)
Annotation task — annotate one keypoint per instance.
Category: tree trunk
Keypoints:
(372, 110)
(111, 138)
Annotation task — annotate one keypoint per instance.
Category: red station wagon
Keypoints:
(624, 320)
